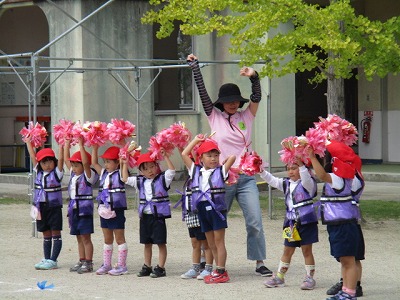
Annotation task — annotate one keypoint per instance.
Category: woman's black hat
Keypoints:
(229, 92)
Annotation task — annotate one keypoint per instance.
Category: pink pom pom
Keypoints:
(317, 140)
(178, 135)
(155, 149)
(338, 129)
(251, 163)
(76, 133)
(131, 153)
(233, 176)
(62, 131)
(94, 133)
(118, 130)
(34, 134)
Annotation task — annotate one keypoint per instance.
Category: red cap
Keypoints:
(207, 146)
(45, 152)
(111, 153)
(145, 157)
(345, 161)
(76, 157)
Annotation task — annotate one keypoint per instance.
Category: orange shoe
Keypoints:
(216, 277)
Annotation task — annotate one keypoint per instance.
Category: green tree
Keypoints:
(332, 40)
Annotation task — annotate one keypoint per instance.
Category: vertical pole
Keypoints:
(34, 65)
(269, 138)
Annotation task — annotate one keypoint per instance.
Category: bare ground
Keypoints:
(20, 251)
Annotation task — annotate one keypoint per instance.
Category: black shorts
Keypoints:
(308, 234)
(346, 240)
(51, 218)
(114, 223)
(81, 224)
(195, 232)
(152, 230)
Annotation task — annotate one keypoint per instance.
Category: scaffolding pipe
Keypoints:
(72, 28)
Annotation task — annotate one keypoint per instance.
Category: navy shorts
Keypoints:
(114, 223)
(308, 234)
(195, 232)
(81, 224)
(152, 230)
(345, 240)
(209, 219)
(52, 218)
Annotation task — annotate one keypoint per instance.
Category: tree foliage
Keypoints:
(333, 40)
(352, 40)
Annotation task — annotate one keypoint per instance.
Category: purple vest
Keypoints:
(83, 196)
(303, 204)
(51, 189)
(114, 195)
(160, 205)
(338, 206)
(357, 194)
(215, 195)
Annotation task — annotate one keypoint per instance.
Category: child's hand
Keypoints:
(163, 152)
(200, 137)
(247, 71)
(310, 151)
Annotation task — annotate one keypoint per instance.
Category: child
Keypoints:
(339, 210)
(154, 208)
(48, 200)
(112, 201)
(299, 189)
(208, 191)
(197, 238)
(80, 208)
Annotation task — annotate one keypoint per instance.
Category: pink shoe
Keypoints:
(118, 270)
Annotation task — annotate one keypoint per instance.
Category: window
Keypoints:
(173, 87)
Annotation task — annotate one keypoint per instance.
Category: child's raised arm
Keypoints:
(318, 168)
(170, 165)
(95, 159)
(60, 164)
(85, 160)
(124, 170)
(32, 153)
(229, 162)
(186, 152)
(67, 148)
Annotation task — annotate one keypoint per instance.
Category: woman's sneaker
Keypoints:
(203, 274)
(263, 271)
(103, 270)
(49, 265)
(158, 272)
(308, 283)
(87, 267)
(118, 270)
(190, 274)
(145, 271)
(76, 267)
(275, 281)
(38, 266)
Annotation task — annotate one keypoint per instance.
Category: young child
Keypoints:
(80, 208)
(48, 201)
(197, 238)
(112, 200)
(154, 208)
(208, 191)
(339, 210)
(299, 189)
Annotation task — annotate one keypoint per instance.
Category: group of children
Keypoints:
(204, 209)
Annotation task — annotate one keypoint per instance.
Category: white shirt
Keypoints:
(72, 187)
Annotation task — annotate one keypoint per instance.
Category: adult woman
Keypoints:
(233, 132)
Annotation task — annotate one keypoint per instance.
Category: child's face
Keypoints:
(210, 159)
(111, 165)
(47, 164)
(77, 167)
(293, 172)
(149, 169)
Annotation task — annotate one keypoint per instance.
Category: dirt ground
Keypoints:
(20, 251)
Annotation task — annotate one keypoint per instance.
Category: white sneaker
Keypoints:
(192, 273)
(203, 274)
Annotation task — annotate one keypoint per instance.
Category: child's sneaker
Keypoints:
(49, 265)
(342, 296)
(158, 272)
(203, 274)
(87, 267)
(76, 267)
(145, 271)
(275, 281)
(103, 270)
(192, 273)
(118, 270)
(308, 283)
(39, 265)
(336, 288)
(216, 277)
